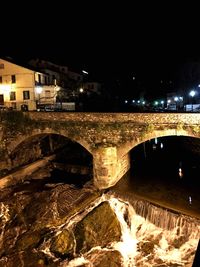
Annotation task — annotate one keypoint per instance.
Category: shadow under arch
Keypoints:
(28, 149)
(126, 148)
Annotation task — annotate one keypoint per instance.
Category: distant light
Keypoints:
(156, 141)
(198, 85)
(192, 93)
(138, 101)
(168, 101)
(84, 71)
(162, 102)
(161, 145)
(133, 101)
(180, 172)
(143, 102)
(156, 103)
(38, 89)
(81, 90)
(57, 88)
(176, 98)
(181, 98)
(126, 101)
(154, 147)
(5, 87)
(133, 77)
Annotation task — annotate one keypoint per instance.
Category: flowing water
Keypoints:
(150, 235)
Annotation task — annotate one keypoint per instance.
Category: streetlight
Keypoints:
(192, 94)
(162, 102)
(38, 90)
(176, 100)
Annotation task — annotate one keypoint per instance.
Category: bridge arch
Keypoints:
(38, 133)
(154, 134)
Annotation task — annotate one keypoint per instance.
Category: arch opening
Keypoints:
(67, 161)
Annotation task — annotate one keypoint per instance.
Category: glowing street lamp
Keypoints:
(38, 90)
(192, 94)
(156, 103)
(176, 100)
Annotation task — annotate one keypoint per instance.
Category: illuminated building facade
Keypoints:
(25, 88)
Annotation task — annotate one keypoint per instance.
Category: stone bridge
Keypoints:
(109, 137)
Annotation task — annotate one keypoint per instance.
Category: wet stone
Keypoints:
(99, 228)
(63, 244)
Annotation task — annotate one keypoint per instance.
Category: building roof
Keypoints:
(22, 64)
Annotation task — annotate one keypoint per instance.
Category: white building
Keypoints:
(24, 87)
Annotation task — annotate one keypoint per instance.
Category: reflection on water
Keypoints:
(168, 176)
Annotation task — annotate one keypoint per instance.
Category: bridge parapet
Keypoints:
(147, 118)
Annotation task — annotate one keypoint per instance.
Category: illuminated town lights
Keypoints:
(57, 88)
(38, 89)
(81, 90)
(192, 93)
(5, 88)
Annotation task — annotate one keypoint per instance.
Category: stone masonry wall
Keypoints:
(155, 118)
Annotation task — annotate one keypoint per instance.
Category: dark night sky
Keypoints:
(114, 43)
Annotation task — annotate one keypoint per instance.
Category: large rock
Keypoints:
(99, 228)
(53, 208)
(63, 244)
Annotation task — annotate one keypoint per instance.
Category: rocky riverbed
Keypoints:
(60, 224)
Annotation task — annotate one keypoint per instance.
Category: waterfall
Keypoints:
(153, 234)
(166, 219)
